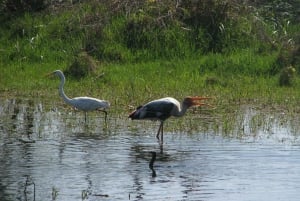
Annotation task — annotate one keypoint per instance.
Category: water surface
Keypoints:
(48, 153)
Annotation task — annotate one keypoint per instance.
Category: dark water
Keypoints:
(47, 153)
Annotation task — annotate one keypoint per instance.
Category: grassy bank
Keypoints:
(133, 84)
(138, 51)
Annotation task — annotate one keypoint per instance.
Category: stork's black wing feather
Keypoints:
(160, 110)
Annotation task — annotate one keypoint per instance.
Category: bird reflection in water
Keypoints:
(27, 192)
(153, 153)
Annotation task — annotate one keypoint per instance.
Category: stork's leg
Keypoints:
(160, 130)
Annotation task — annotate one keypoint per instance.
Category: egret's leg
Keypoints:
(105, 117)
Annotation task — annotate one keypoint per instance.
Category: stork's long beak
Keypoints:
(197, 101)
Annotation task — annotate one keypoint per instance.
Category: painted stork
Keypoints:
(163, 108)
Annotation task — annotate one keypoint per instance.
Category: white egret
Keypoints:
(81, 103)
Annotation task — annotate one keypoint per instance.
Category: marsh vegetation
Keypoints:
(134, 51)
(130, 52)
(243, 54)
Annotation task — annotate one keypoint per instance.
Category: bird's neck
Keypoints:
(181, 110)
(61, 91)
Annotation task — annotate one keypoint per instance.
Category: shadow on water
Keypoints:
(48, 153)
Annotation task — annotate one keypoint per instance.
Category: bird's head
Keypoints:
(106, 104)
(56, 72)
(195, 101)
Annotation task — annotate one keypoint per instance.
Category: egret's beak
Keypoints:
(49, 74)
(197, 101)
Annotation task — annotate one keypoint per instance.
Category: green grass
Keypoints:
(134, 84)
(147, 53)
(128, 85)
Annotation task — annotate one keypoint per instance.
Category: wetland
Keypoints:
(49, 153)
(242, 54)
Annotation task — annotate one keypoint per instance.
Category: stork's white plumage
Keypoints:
(163, 108)
(81, 103)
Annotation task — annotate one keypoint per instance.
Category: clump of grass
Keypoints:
(82, 66)
(287, 75)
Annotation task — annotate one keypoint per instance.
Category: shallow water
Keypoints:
(47, 153)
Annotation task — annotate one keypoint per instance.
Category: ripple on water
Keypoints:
(70, 161)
